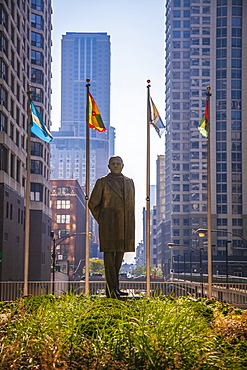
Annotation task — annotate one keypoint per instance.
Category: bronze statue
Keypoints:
(112, 204)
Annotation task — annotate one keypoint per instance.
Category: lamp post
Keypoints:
(201, 269)
(53, 260)
(228, 241)
(202, 232)
(184, 265)
(191, 265)
(170, 246)
(178, 264)
(55, 244)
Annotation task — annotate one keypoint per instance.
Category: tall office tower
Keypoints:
(25, 58)
(84, 56)
(206, 45)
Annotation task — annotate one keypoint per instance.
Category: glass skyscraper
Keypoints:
(206, 45)
(84, 56)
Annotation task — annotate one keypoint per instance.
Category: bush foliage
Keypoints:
(77, 332)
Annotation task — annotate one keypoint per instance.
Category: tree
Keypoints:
(141, 270)
(96, 266)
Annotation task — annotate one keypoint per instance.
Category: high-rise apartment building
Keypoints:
(25, 58)
(84, 56)
(206, 45)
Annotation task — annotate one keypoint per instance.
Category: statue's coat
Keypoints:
(114, 211)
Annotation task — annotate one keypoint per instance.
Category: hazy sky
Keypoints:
(136, 29)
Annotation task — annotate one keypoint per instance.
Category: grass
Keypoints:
(77, 332)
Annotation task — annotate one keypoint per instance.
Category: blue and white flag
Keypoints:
(38, 126)
(156, 120)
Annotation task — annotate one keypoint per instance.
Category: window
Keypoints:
(36, 40)
(176, 13)
(63, 250)
(36, 149)
(37, 58)
(3, 44)
(37, 76)
(176, 198)
(37, 4)
(206, 41)
(176, 208)
(186, 198)
(63, 190)
(3, 70)
(176, 34)
(62, 233)
(3, 158)
(186, 232)
(37, 21)
(176, 24)
(3, 97)
(3, 17)
(36, 192)
(3, 123)
(36, 167)
(63, 219)
(18, 170)
(186, 222)
(37, 94)
(63, 204)
(186, 208)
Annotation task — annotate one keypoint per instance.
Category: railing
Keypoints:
(232, 293)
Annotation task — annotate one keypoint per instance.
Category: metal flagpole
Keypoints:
(210, 270)
(148, 191)
(87, 194)
(27, 216)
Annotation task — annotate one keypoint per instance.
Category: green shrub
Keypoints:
(77, 332)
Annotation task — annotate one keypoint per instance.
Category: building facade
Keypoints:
(206, 45)
(25, 57)
(84, 56)
(68, 215)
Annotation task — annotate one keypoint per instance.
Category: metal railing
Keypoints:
(233, 293)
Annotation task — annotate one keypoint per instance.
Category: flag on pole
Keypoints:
(38, 126)
(204, 121)
(94, 120)
(155, 119)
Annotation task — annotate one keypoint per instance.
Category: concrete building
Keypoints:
(25, 58)
(206, 45)
(84, 56)
(68, 219)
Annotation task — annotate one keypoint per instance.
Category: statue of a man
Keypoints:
(112, 204)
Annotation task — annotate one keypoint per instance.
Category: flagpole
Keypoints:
(27, 216)
(87, 194)
(210, 270)
(148, 192)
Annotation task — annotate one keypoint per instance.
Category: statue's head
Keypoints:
(115, 164)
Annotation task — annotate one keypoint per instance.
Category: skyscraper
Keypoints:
(84, 56)
(25, 58)
(206, 45)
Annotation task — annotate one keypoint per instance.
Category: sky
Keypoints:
(136, 29)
